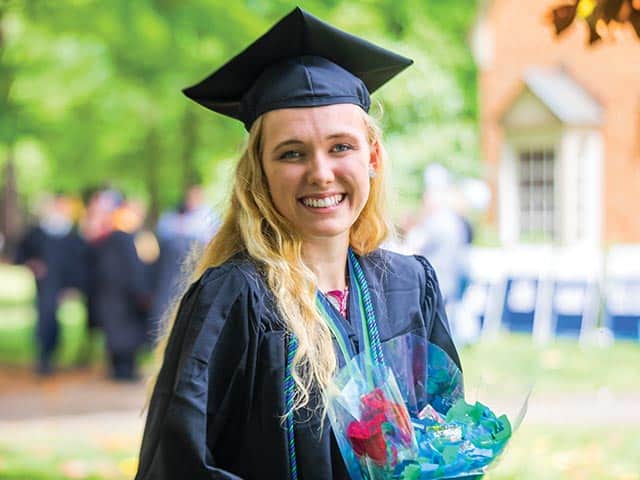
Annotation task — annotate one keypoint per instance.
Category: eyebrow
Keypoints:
(292, 141)
(341, 134)
(295, 141)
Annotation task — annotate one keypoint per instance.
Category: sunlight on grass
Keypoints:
(99, 448)
(71, 462)
(554, 453)
(536, 452)
(17, 285)
(561, 366)
(17, 333)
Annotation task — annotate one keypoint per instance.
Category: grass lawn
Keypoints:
(542, 452)
(510, 361)
(17, 324)
(17, 285)
(513, 361)
(536, 452)
(18, 315)
(77, 463)
(73, 452)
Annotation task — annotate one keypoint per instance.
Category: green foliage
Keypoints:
(90, 90)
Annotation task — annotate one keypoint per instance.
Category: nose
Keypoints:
(320, 170)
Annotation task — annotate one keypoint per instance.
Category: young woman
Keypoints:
(249, 356)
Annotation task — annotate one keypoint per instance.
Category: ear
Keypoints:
(374, 156)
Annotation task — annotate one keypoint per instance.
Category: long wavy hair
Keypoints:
(253, 225)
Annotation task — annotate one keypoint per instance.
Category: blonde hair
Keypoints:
(253, 225)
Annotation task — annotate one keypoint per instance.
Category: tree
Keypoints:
(599, 15)
(90, 90)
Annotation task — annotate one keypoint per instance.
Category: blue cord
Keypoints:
(288, 391)
(292, 346)
(368, 306)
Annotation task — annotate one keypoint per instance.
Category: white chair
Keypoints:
(574, 289)
(622, 292)
(525, 302)
(481, 301)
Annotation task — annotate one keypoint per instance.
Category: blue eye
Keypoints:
(342, 147)
(290, 154)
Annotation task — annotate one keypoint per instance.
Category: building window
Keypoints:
(536, 194)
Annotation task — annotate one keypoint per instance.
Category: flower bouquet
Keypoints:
(406, 418)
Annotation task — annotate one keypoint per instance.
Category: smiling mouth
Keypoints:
(325, 202)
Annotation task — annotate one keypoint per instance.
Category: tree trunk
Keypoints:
(191, 176)
(10, 224)
(153, 156)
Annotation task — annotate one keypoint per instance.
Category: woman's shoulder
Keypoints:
(399, 266)
(239, 269)
(235, 280)
(229, 290)
(392, 271)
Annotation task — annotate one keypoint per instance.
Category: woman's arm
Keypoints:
(202, 385)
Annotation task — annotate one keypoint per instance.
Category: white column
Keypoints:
(592, 192)
(566, 190)
(508, 202)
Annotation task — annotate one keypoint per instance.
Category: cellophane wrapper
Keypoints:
(407, 418)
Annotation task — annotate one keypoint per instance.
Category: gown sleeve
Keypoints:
(438, 330)
(205, 380)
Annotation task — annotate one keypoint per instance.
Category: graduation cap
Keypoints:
(300, 62)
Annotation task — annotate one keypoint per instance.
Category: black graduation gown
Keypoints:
(119, 295)
(217, 406)
(60, 254)
(168, 279)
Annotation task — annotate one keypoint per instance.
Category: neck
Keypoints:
(327, 258)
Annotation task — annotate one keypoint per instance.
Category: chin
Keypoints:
(328, 232)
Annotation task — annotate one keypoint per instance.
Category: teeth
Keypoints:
(322, 202)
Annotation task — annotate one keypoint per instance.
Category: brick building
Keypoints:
(560, 127)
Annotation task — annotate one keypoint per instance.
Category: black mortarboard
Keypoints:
(300, 62)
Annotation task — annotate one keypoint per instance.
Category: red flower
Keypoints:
(374, 403)
(366, 439)
(366, 436)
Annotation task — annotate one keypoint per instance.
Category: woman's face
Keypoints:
(316, 161)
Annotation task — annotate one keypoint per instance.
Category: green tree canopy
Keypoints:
(90, 90)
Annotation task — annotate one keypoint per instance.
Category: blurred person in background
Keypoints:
(193, 217)
(119, 291)
(439, 233)
(460, 207)
(181, 232)
(89, 229)
(472, 197)
(50, 250)
(130, 217)
(443, 236)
